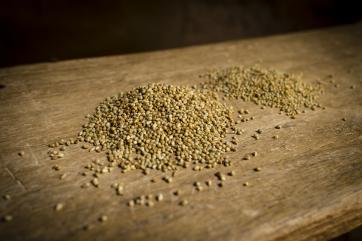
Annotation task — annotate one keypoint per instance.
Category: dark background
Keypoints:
(49, 30)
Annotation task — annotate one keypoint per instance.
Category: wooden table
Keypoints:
(309, 186)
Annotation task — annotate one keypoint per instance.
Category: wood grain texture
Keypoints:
(309, 186)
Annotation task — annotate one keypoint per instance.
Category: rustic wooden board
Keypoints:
(309, 188)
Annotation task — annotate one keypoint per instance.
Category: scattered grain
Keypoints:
(103, 218)
(56, 167)
(159, 197)
(87, 227)
(184, 202)
(149, 203)
(208, 183)
(167, 179)
(120, 190)
(62, 176)
(7, 197)
(7, 218)
(85, 185)
(131, 203)
(59, 207)
(95, 182)
(232, 173)
(220, 176)
(246, 157)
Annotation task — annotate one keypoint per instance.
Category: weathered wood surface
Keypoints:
(309, 188)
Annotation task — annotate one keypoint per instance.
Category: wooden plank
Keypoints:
(310, 186)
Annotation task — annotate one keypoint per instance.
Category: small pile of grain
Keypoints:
(264, 87)
(160, 127)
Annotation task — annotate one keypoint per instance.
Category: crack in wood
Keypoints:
(16, 179)
(36, 160)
